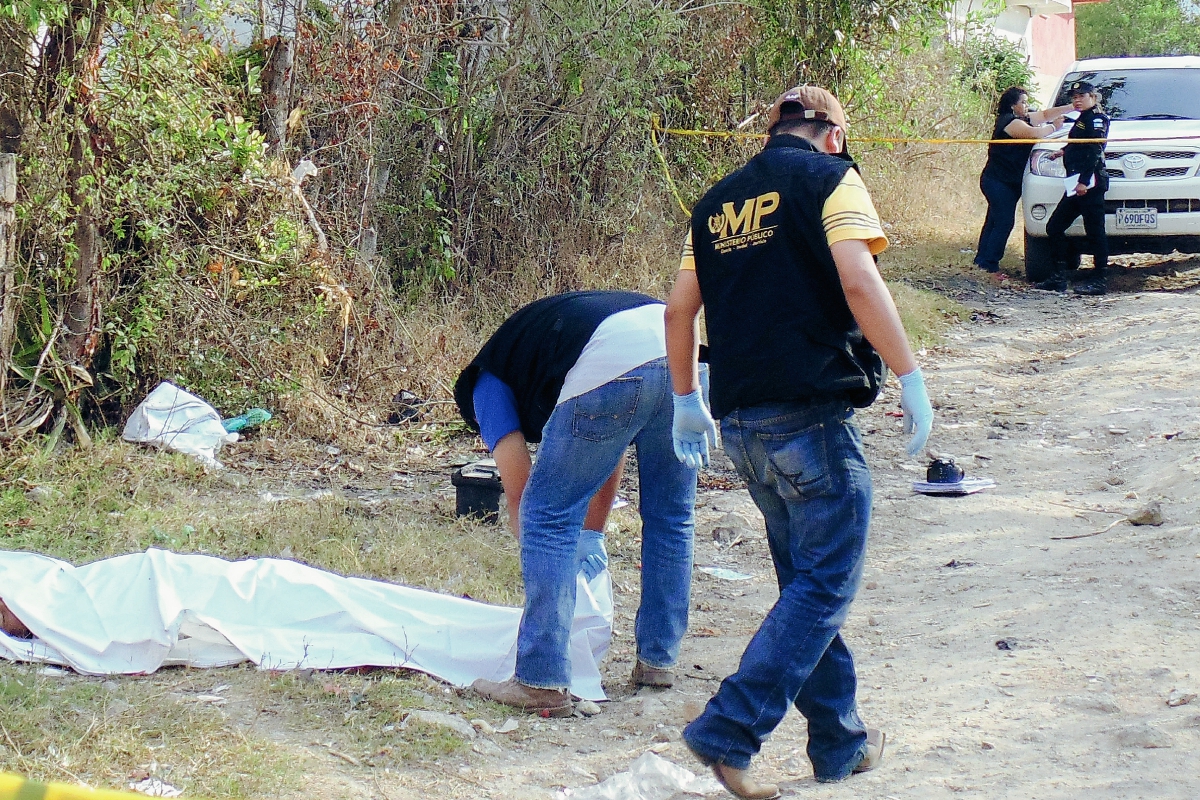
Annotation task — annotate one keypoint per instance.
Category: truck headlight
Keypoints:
(1041, 164)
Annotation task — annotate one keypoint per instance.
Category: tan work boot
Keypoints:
(876, 739)
(646, 675)
(551, 702)
(739, 784)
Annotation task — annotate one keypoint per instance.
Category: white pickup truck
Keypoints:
(1153, 159)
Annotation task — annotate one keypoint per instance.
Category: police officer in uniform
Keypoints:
(800, 324)
(1086, 160)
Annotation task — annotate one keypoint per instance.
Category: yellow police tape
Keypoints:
(662, 159)
(656, 129)
(14, 787)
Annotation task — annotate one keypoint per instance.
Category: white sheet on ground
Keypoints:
(135, 613)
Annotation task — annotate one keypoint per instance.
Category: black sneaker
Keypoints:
(1094, 287)
(1055, 283)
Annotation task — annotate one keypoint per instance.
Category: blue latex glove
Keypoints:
(918, 413)
(590, 557)
(692, 430)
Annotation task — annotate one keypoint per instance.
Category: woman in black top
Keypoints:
(1001, 178)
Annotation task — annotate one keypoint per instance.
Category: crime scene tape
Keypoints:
(656, 130)
(662, 159)
(14, 787)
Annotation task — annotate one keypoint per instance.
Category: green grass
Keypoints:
(85, 731)
(366, 716)
(925, 314)
(115, 498)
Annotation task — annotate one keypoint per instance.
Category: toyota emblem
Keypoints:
(1134, 161)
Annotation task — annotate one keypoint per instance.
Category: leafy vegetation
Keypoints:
(1137, 28)
(161, 234)
(989, 64)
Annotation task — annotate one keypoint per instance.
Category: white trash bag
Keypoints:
(648, 778)
(172, 418)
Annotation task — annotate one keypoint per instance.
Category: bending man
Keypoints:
(585, 374)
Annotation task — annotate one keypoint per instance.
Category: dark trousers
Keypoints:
(1091, 207)
(998, 224)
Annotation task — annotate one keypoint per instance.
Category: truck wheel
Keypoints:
(1039, 260)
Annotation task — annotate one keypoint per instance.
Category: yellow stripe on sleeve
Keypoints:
(850, 214)
(688, 259)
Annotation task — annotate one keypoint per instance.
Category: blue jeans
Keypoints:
(805, 469)
(998, 224)
(581, 445)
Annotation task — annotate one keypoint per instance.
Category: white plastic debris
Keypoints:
(304, 169)
(172, 418)
(725, 574)
(155, 787)
(648, 778)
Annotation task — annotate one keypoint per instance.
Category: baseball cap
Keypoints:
(807, 102)
(1080, 87)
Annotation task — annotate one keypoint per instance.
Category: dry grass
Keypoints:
(378, 504)
(118, 498)
(392, 520)
(114, 732)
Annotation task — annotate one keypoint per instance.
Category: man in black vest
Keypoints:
(780, 256)
(584, 374)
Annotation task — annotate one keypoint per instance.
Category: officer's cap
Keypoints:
(1080, 87)
(807, 103)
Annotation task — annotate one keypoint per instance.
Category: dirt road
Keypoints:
(1003, 658)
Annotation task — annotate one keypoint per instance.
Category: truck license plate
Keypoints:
(1144, 219)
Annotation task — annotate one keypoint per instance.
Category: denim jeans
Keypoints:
(581, 445)
(806, 472)
(998, 224)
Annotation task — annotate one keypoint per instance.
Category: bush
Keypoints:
(989, 64)
(206, 275)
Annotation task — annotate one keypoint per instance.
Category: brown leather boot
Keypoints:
(739, 784)
(646, 675)
(554, 702)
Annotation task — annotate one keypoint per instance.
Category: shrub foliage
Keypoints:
(244, 200)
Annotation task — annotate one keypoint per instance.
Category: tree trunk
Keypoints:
(14, 64)
(74, 48)
(83, 317)
(8, 242)
(277, 90)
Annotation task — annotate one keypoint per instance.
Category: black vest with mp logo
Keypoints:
(779, 329)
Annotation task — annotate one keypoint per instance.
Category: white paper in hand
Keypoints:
(1071, 181)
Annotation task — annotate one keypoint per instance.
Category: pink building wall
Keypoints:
(1052, 43)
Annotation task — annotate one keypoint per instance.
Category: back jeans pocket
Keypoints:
(607, 411)
(799, 463)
